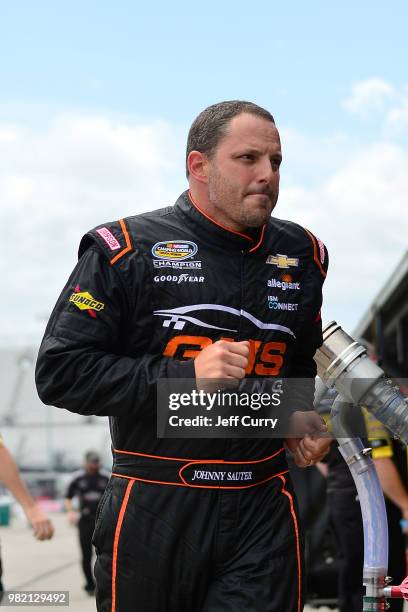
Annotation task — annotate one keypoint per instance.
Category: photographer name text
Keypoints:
(231, 421)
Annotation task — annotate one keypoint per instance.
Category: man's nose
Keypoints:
(265, 171)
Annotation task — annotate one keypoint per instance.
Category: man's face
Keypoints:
(243, 173)
(92, 467)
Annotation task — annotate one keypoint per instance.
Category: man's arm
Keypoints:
(10, 476)
(81, 364)
(72, 514)
(314, 442)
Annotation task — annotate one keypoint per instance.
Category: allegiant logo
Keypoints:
(272, 282)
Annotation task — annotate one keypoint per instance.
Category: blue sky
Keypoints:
(171, 59)
(88, 88)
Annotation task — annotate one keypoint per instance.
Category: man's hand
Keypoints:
(73, 517)
(43, 528)
(310, 441)
(309, 449)
(224, 361)
(306, 422)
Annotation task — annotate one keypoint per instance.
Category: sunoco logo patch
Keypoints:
(174, 251)
(84, 301)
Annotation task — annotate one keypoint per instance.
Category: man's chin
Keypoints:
(259, 218)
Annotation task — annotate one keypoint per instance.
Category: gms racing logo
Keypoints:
(182, 315)
(264, 359)
(84, 301)
(174, 251)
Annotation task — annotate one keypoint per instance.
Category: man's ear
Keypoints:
(197, 164)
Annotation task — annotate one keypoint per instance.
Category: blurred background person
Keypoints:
(88, 486)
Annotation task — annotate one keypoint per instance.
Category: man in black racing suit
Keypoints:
(210, 287)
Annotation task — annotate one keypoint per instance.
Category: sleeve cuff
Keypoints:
(180, 369)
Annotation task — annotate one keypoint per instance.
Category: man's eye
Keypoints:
(248, 156)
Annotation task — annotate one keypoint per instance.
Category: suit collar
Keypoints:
(196, 218)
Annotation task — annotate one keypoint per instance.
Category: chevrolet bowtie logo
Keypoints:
(282, 261)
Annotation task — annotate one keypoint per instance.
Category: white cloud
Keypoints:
(388, 103)
(358, 203)
(313, 156)
(61, 180)
(368, 96)
(360, 212)
(80, 170)
(397, 119)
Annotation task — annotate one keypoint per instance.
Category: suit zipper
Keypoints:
(228, 441)
(242, 294)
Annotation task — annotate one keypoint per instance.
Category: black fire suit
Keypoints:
(147, 294)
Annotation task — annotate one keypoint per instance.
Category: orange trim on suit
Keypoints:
(128, 246)
(295, 523)
(116, 541)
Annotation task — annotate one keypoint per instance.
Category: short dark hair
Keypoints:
(92, 457)
(211, 124)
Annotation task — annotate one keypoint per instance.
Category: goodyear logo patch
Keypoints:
(84, 301)
(174, 251)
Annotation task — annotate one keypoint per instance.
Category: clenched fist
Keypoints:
(224, 361)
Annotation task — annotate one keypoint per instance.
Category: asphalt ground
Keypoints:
(29, 565)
